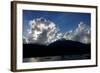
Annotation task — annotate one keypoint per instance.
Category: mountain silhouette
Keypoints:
(58, 48)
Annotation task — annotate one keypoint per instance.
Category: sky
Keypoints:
(64, 20)
(78, 23)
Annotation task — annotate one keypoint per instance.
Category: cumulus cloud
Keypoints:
(81, 33)
(43, 31)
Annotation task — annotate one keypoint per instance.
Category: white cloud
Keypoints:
(81, 34)
(43, 31)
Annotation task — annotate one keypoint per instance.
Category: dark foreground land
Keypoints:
(64, 49)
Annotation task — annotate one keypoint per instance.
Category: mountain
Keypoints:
(58, 48)
(66, 43)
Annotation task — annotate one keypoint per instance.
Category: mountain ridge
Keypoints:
(57, 48)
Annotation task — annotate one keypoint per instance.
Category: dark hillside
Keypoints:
(57, 48)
